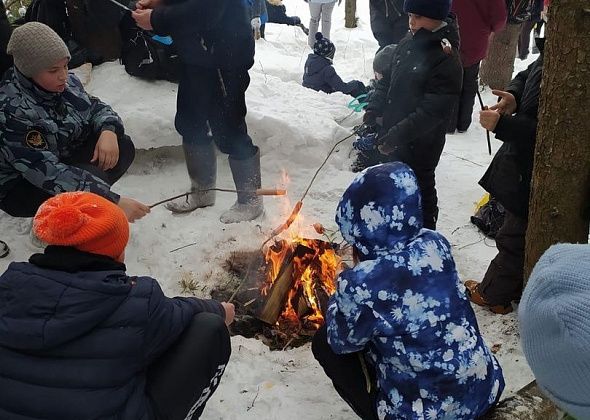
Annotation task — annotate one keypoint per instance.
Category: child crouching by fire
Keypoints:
(401, 340)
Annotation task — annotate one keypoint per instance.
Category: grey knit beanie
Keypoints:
(36, 47)
(382, 60)
(554, 317)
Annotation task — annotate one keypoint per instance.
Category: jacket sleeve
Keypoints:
(378, 98)
(42, 168)
(337, 84)
(174, 17)
(169, 317)
(100, 115)
(256, 9)
(516, 86)
(498, 14)
(441, 90)
(519, 128)
(350, 324)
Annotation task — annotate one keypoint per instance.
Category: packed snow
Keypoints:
(295, 128)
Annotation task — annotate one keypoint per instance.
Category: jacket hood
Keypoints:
(42, 308)
(316, 63)
(380, 212)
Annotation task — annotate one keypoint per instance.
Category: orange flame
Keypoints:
(314, 280)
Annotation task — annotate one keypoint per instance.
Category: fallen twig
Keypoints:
(254, 400)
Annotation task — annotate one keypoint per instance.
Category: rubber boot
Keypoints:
(246, 174)
(201, 163)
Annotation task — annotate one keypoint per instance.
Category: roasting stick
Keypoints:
(487, 132)
(260, 191)
(294, 213)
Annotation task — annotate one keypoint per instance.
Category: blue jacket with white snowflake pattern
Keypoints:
(404, 305)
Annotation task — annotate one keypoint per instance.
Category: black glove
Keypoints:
(359, 89)
(296, 20)
(370, 118)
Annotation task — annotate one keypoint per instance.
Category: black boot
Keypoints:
(201, 163)
(246, 174)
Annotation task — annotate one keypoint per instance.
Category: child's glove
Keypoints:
(370, 118)
(366, 143)
(256, 23)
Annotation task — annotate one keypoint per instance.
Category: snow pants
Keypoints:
(211, 105)
(346, 373)
(181, 381)
(323, 12)
(423, 159)
(25, 198)
(461, 117)
(503, 281)
(388, 24)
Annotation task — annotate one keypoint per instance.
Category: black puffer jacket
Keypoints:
(77, 336)
(416, 98)
(208, 33)
(508, 177)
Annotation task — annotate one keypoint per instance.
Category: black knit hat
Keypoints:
(323, 46)
(433, 9)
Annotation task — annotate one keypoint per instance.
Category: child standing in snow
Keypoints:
(401, 313)
(416, 97)
(320, 74)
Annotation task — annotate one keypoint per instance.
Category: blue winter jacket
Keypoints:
(208, 33)
(404, 306)
(77, 334)
(320, 74)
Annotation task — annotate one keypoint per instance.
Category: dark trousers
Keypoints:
(211, 104)
(461, 117)
(388, 25)
(346, 373)
(423, 159)
(524, 40)
(503, 280)
(181, 381)
(25, 198)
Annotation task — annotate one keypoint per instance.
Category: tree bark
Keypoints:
(560, 187)
(497, 68)
(350, 14)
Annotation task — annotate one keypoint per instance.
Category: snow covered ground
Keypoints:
(295, 128)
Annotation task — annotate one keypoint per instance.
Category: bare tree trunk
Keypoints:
(497, 68)
(350, 14)
(560, 189)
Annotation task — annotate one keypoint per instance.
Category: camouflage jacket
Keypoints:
(38, 130)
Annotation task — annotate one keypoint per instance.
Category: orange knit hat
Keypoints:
(85, 221)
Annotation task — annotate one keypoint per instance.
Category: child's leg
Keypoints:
(81, 159)
(327, 9)
(347, 375)
(315, 10)
(181, 381)
(467, 99)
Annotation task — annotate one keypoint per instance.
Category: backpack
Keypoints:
(519, 10)
(52, 13)
(489, 216)
(146, 56)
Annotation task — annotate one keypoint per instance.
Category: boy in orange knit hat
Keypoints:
(81, 339)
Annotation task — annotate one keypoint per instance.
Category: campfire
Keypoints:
(299, 280)
(286, 290)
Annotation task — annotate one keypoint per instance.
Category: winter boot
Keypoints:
(246, 174)
(201, 163)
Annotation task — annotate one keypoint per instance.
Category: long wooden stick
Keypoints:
(259, 191)
(487, 132)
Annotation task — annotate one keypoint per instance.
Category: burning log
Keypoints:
(279, 292)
